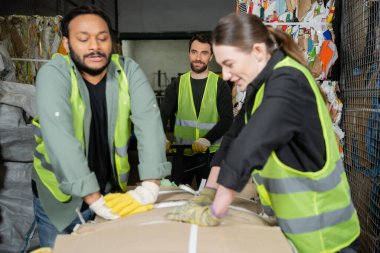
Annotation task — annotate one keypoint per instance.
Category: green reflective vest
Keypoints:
(188, 127)
(313, 209)
(41, 159)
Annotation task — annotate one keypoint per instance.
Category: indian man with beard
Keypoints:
(86, 102)
(201, 103)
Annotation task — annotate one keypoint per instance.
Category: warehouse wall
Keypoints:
(135, 16)
(168, 20)
(170, 56)
(171, 16)
(142, 17)
(54, 7)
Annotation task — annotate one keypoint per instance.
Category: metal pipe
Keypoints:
(159, 78)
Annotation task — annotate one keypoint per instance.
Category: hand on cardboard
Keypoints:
(200, 145)
(205, 197)
(123, 204)
(102, 210)
(134, 201)
(194, 214)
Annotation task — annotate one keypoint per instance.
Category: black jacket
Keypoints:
(287, 122)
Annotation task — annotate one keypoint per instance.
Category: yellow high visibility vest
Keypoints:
(188, 127)
(313, 209)
(122, 133)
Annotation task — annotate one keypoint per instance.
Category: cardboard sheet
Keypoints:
(241, 231)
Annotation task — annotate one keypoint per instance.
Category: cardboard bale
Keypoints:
(303, 7)
(302, 42)
(241, 231)
(291, 5)
(316, 68)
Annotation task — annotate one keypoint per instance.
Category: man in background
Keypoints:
(201, 102)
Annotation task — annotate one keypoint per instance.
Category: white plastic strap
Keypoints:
(187, 189)
(202, 185)
(170, 204)
(170, 191)
(193, 239)
(80, 216)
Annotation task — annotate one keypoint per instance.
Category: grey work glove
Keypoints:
(194, 214)
(205, 197)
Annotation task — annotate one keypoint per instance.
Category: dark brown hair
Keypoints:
(83, 10)
(201, 37)
(243, 30)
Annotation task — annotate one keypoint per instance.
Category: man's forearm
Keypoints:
(91, 198)
(213, 177)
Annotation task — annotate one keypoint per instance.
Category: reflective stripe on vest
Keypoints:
(41, 163)
(188, 127)
(311, 207)
(193, 123)
(122, 133)
(294, 185)
(317, 222)
(123, 127)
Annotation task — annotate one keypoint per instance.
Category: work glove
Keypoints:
(194, 214)
(205, 197)
(167, 146)
(43, 250)
(200, 145)
(102, 210)
(134, 201)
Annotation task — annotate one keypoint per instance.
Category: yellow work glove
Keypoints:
(135, 201)
(205, 197)
(200, 145)
(123, 204)
(43, 250)
(194, 214)
(167, 146)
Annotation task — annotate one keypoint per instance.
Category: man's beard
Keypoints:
(198, 70)
(82, 67)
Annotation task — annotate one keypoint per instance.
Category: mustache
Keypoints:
(92, 54)
(198, 62)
